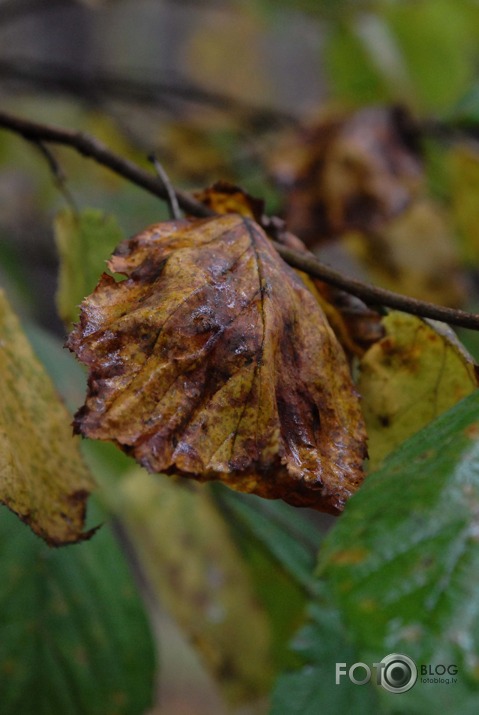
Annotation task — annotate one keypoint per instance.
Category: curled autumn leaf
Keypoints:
(213, 360)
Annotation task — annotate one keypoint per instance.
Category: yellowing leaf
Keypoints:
(213, 360)
(414, 254)
(84, 242)
(42, 476)
(416, 372)
(198, 574)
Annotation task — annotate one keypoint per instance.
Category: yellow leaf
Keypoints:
(414, 254)
(213, 360)
(197, 573)
(412, 375)
(42, 476)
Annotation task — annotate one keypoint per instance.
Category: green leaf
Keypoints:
(74, 638)
(84, 242)
(353, 74)
(42, 476)
(403, 562)
(448, 26)
(312, 688)
(279, 545)
(291, 539)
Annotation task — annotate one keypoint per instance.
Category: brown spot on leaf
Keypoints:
(354, 555)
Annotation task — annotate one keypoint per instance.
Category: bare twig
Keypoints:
(372, 295)
(164, 178)
(59, 177)
(90, 147)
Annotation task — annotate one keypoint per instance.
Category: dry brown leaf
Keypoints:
(349, 172)
(42, 476)
(356, 326)
(213, 360)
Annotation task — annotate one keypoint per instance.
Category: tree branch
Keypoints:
(372, 295)
(90, 147)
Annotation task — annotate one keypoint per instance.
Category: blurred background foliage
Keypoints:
(318, 106)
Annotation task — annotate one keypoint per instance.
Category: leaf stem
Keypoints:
(90, 147)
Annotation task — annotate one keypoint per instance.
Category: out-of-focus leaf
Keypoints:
(279, 546)
(464, 174)
(213, 360)
(290, 538)
(353, 74)
(84, 242)
(311, 688)
(350, 171)
(195, 569)
(403, 562)
(412, 375)
(439, 77)
(42, 476)
(415, 254)
(74, 635)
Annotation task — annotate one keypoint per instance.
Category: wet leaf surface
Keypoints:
(213, 360)
(402, 563)
(42, 476)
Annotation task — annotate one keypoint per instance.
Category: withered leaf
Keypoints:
(355, 325)
(351, 171)
(213, 360)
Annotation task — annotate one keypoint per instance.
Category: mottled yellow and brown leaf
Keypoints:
(416, 372)
(226, 198)
(213, 360)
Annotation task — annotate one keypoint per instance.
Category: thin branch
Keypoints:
(372, 295)
(90, 147)
(175, 212)
(59, 177)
